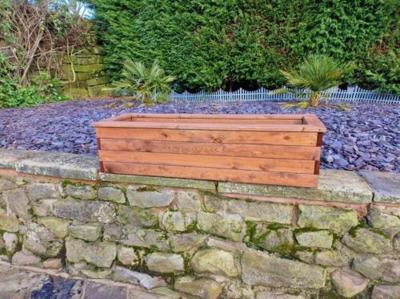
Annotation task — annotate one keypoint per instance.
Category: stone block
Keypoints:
(331, 258)
(61, 165)
(320, 239)
(43, 191)
(10, 242)
(334, 185)
(98, 81)
(228, 226)
(25, 258)
(104, 291)
(348, 283)
(127, 256)
(385, 292)
(53, 263)
(89, 68)
(385, 185)
(366, 241)
(84, 192)
(43, 207)
(8, 222)
(111, 194)
(165, 262)
(100, 254)
(59, 227)
(176, 221)
(277, 295)
(385, 269)
(188, 201)
(215, 261)
(149, 282)
(158, 181)
(17, 202)
(6, 184)
(8, 157)
(84, 211)
(276, 239)
(137, 216)
(261, 211)
(141, 197)
(97, 273)
(146, 238)
(259, 268)
(383, 217)
(87, 232)
(187, 242)
(337, 220)
(202, 287)
(41, 241)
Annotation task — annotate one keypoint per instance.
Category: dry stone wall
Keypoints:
(198, 239)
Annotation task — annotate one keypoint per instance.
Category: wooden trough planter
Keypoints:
(259, 149)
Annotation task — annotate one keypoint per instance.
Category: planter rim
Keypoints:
(244, 122)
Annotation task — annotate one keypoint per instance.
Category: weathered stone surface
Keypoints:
(321, 239)
(84, 192)
(334, 185)
(385, 185)
(8, 222)
(331, 258)
(366, 241)
(43, 191)
(97, 273)
(85, 211)
(6, 184)
(385, 292)
(164, 262)
(228, 226)
(187, 242)
(261, 211)
(41, 241)
(275, 295)
(275, 239)
(127, 256)
(165, 291)
(140, 197)
(379, 217)
(215, 261)
(225, 245)
(8, 157)
(203, 287)
(111, 194)
(385, 269)
(158, 181)
(87, 232)
(348, 283)
(396, 242)
(59, 227)
(112, 232)
(54, 263)
(60, 165)
(17, 202)
(42, 208)
(336, 220)
(137, 216)
(305, 256)
(188, 201)
(100, 254)
(10, 242)
(259, 268)
(146, 238)
(175, 221)
(25, 258)
(103, 291)
(149, 282)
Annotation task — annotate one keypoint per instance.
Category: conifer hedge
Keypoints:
(208, 44)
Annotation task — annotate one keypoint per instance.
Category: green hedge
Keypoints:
(208, 44)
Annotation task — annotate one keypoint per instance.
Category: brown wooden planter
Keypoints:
(260, 149)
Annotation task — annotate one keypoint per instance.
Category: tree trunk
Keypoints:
(314, 98)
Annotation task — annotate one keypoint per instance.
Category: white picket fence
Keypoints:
(353, 94)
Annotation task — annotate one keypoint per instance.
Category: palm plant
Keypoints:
(148, 84)
(317, 73)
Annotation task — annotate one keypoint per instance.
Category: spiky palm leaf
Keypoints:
(149, 84)
(317, 73)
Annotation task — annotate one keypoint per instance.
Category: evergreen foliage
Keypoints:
(208, 44)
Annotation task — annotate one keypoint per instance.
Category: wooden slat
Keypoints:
(221, 162)
(274, 138)
(216, 120)
(234, 150)
(256, 177)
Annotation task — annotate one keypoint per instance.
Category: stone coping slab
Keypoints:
(385, 185)
(334, 185)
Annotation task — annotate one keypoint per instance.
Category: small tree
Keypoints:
(317, 73)
(149, 84)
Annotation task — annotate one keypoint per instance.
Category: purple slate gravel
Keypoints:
(366, 137)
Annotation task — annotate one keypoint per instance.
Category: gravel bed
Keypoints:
(366, 137)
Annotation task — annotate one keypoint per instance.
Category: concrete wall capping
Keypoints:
(334, 185)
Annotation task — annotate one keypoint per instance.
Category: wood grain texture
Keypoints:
(201, 148)
(232, 175)
(210, 136)
(222, 162)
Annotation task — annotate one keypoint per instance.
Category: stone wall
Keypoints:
(199, 239)
(89, 79)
